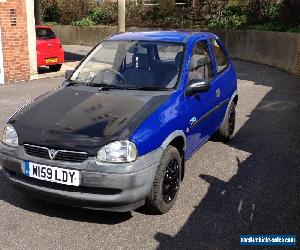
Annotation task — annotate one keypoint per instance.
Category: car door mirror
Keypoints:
(196, 86)
(68, 74)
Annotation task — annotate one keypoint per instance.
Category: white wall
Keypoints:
(31, 38)
(1, 61)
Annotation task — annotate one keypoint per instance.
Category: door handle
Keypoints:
(218, 93)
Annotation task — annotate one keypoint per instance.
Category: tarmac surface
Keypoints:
(249, 186)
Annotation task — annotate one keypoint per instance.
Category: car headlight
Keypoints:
(10, 136)
(118, 152)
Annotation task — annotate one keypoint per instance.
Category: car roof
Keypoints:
(161, 36)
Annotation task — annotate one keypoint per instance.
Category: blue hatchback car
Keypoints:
(115, 135)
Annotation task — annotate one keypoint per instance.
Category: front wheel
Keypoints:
(166, 183)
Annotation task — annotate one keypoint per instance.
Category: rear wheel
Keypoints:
(166, 182)
(226, 131)
(55, 68)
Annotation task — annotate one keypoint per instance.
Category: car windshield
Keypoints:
(44, 33)
(131, 65)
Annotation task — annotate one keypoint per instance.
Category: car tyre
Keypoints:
(55, 68)
(166, 183)
(226, 131)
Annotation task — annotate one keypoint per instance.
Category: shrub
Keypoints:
(50, 11)
(233, 17)
(87, 21)
(141, 15)
(106, 13)
(166, 8)
(290, 12)
(273, 11)
(231, 22)
(268, 26)
(64, 11)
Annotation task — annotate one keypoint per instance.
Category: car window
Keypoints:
(44, 33)
(200, 65)
(222, 61)
(132, 64)
(168, 53)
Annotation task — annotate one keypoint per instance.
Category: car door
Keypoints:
(224, 81)
(200, 107)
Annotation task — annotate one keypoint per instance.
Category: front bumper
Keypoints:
(113, 187)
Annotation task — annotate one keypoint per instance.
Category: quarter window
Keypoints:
(222, 61)
(200, 65)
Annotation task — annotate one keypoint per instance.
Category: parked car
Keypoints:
(48, 48)
(115, 135)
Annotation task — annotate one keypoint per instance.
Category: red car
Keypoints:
(48, 48)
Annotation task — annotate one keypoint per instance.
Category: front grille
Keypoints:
(58, 155)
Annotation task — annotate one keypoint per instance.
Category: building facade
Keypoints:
(17, 41)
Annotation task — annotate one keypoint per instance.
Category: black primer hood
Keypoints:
(83, 119)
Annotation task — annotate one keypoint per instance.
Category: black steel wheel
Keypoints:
(231, 121)
(166, 182)
(171, 181)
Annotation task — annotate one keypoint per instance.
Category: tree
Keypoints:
(166, 7)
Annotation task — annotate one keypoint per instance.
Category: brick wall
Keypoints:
(13, 22)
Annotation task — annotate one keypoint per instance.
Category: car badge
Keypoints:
(49, 45)
(52, 153)
(193, 120)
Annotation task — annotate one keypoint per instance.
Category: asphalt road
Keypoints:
(250, 186)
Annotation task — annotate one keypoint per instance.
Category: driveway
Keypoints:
(250, 186)
(73, 55)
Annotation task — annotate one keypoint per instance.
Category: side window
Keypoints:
(222, 61)
(200, 65)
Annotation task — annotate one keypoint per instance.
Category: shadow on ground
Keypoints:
(15, 198)
(73, 57)
(263, 196)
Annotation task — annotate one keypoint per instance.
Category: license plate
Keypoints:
(52, 174)
(51, 60)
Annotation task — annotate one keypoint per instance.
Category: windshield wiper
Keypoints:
(72, 83)
(105, 86)
(148, 88)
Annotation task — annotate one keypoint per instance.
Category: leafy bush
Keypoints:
(51, 12)
(268, 26)
(166, 8)
(231, 22)
(87, 21)
(290, 12)
(64, 11)
(106, 14)
(141, 15)
(295, 29)
(273, 11)
(233, 17)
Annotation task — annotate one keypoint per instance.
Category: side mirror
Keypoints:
(68, 74)
(196, 86)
